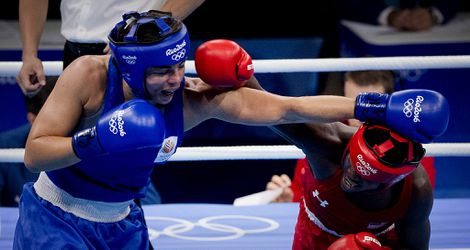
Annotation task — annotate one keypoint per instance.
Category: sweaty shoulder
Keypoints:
(86, 78)
(90, 67)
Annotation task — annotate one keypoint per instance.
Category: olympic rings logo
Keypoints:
(130, 59)
(227, 231)
(179, 55)
(113, 126)
(412, 108)
(362, 170)
(363, 166)
(116, 123)
(408, 107)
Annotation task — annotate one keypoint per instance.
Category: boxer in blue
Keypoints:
(110, 117)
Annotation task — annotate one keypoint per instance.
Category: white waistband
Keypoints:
(96, 211)
(319, 224)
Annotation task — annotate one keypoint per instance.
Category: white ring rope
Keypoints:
(306, 65)
(285, 66)
(275, 152)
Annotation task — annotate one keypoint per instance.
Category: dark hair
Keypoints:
(386, 78)
(35, 103)
(397, 155)
(148, 32)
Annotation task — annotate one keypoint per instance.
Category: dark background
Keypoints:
(245, 18)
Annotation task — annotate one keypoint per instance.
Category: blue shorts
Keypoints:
(41, 225)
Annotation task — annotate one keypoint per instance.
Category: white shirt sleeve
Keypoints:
(90, 21)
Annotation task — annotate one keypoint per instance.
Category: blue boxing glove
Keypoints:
(418, 114)
(135, 124)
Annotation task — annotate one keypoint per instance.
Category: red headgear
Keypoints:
(371, 154)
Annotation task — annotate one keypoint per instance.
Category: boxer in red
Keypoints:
(368, 179)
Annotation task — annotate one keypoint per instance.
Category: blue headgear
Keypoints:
(134, 56)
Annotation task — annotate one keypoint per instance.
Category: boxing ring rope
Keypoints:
(307, 65)
(285, 66)
(266, 152)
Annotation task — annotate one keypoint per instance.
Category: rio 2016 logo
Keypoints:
(364, 167)
(116, 123)
(130, 59)
(413, 108)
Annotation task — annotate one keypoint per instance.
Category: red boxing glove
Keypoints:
(223, 64)
(359, 241)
